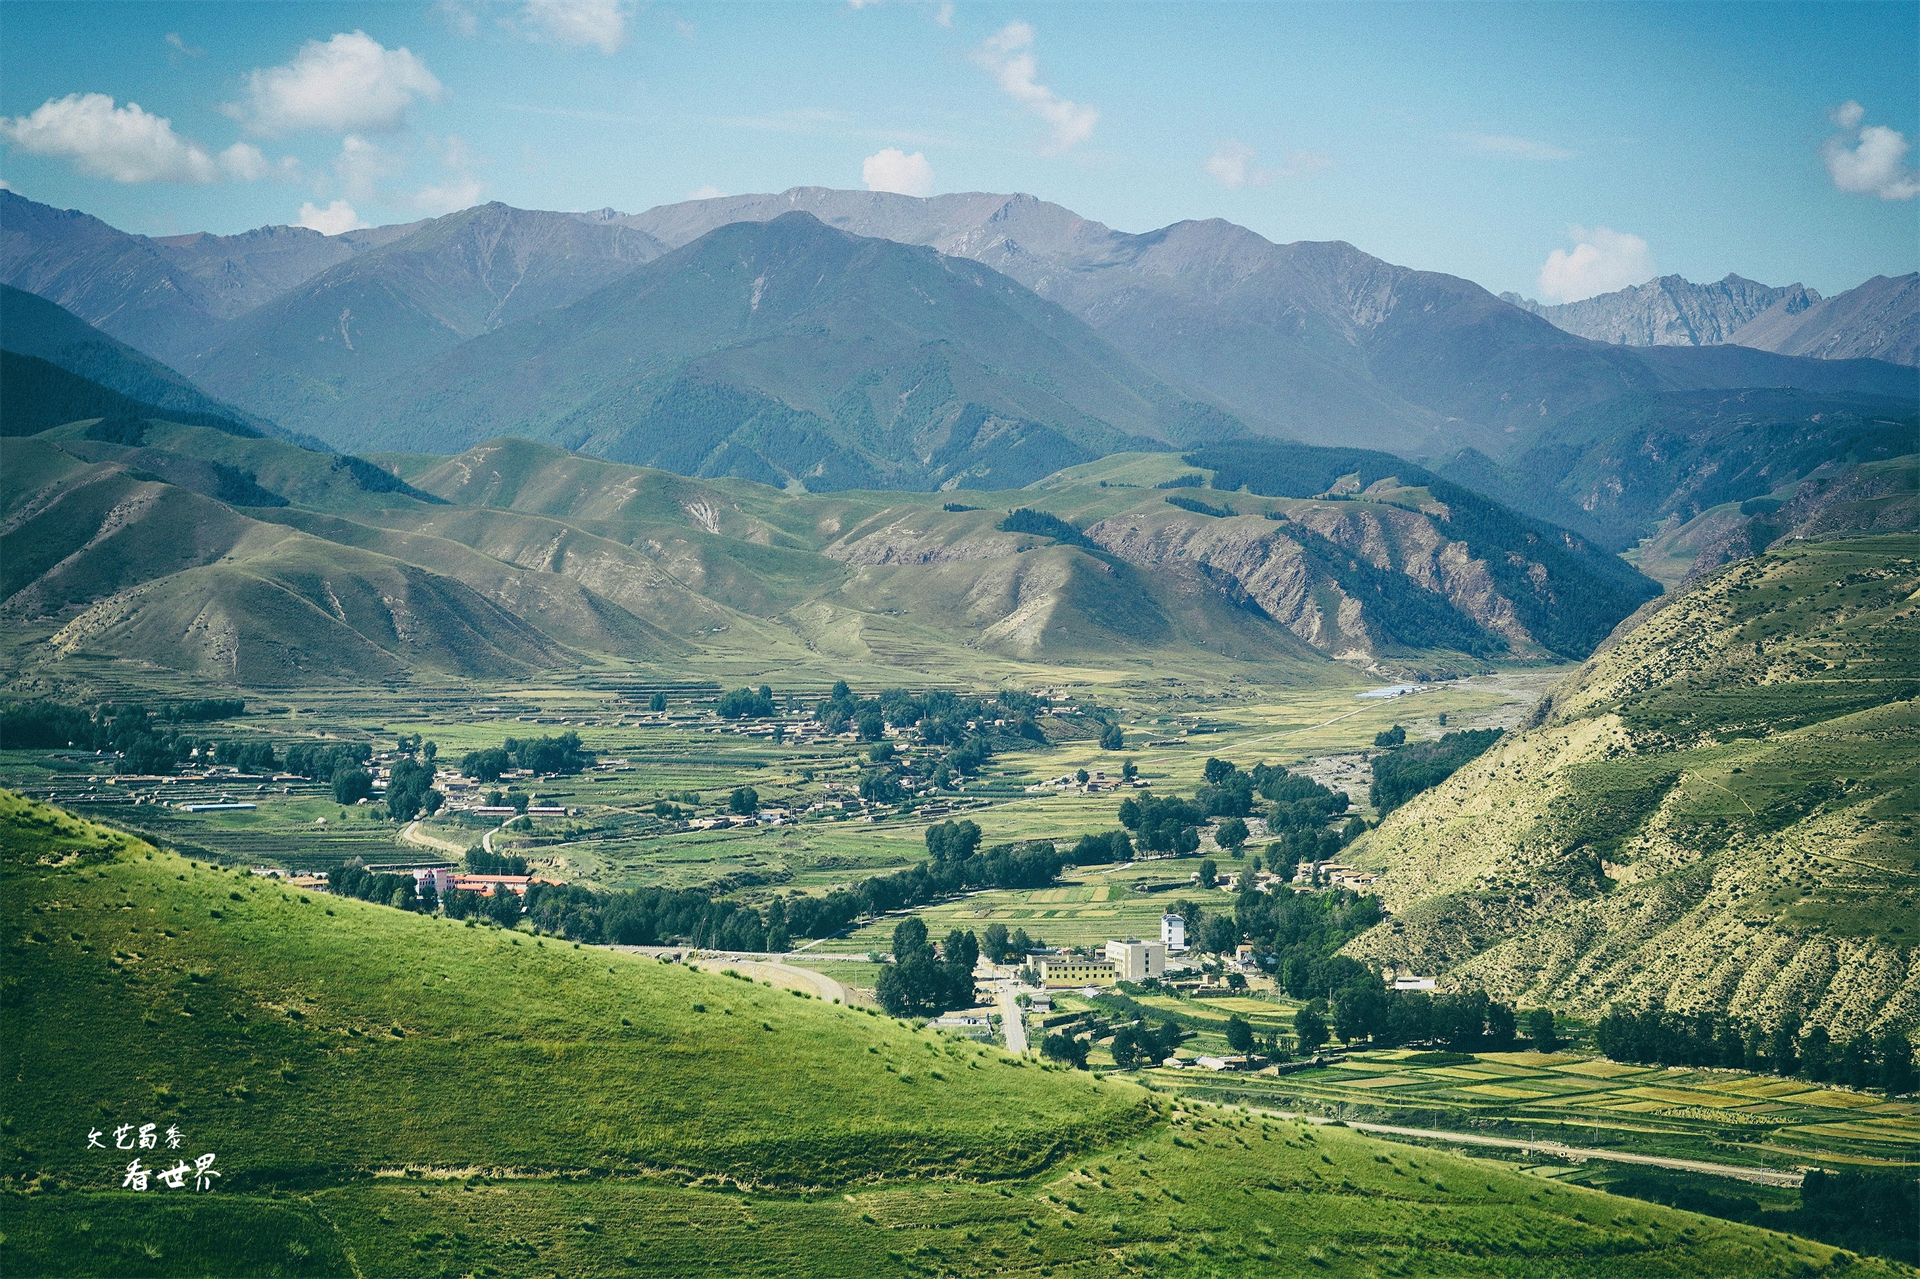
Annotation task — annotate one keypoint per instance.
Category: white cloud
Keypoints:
(599, 23)
(5, 185)
(944, 14)
(352, 83)
(337, 218)
(1867, 161)
(1008, 55)
(1601, 261)
(362, 164)
(1232, 166)
(706, 192)
(1507, 145)
(244, 162)
(125, 144)
(896, 171)
(179, 45)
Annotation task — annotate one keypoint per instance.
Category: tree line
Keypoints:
(147, 739)
(1655, 1036)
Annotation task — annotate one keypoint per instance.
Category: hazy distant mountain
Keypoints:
(789, 350)
(32, 326)
(1879, 320)
(1641, 461)
(1313, 341)
(167, 297)
(396, 306)
(1670, 311)
(1316, 341)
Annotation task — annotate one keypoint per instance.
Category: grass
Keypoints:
(466, 1101)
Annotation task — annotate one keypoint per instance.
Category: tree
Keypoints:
(485, 765)
(1112, 739)
(1209, 873)
(657, 703)
(1129, 770)
(1219, 770)
(1897, 1074)
(1231, 834)
(351, 786)
(995, 942)
(745, 801)
(1239, 1035)
(1310, 1028)
(870, 726)
(1540, 1030)
(1500, 1027)
(745, 703)
(1059, 1047)
(1125, 1048)
(952, 841)
(1390, 738)
(909, 938)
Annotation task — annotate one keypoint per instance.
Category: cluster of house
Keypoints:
(1333, 875)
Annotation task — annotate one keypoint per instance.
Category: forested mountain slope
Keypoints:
(1716, 812)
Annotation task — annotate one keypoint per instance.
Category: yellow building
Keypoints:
(1077, 972)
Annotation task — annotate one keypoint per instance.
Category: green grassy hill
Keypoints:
(394, 1094)
(1716, 812)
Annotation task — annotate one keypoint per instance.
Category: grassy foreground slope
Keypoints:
(1717, 811)
(452, 1101)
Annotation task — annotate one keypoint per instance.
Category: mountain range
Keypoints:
(1313, 341)
(1878, 320)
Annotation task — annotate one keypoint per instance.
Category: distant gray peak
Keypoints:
(1670, 310)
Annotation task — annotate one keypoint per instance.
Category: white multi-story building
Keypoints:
(1136, 960)
(1173, 931)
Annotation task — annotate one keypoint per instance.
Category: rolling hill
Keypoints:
(253, 562)
(530, 1107)
(788, 352)
(1714, 814)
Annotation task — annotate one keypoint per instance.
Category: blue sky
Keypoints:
(1550, 149)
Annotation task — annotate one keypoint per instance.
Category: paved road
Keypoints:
(1011, 1022)
(1553, 1149)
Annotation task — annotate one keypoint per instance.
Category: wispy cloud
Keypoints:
(1232, 166)
(1601, 261)
(598, 24)
(1008, 56)
(1869, 160)
(1506, 144)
